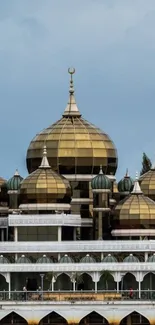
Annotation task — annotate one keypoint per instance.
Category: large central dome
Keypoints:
(74, 145)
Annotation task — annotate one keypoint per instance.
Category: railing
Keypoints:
(73, 297)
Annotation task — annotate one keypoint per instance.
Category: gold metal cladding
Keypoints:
(2, 181)
(45, 184)
(74, 146)
(147, 183)
(136, 209)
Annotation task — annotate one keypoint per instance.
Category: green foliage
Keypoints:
(146, 164)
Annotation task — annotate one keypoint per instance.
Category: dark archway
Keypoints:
(128, 281)
(63, 282)
(13, 318)
(93, 319)
(3, 284)
(106, 282)
(134, 319)
(53, 318)
(85, 282)
(148, 282)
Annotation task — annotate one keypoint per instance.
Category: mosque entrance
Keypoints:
(135, 319)
(13, 318)
(53, 318)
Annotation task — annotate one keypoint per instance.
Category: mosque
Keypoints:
(76, 246)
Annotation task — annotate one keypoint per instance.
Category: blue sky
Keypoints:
(111, 43)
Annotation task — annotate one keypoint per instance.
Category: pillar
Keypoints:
(146, 256)
(59, 233)
(117, 283)
(96, 286)
(9, 285)
(139, 289)
(2, 234)
(74, 285)
(15, 234)
(74, 233)
(100, 221)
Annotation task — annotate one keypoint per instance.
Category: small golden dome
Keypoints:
(147, 183)
(2, 182)
(74, 145)
(45, 186)
(136, 209)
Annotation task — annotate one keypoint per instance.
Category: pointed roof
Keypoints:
(16, 173)
(136, 188)
(71, 108)
(44, 163)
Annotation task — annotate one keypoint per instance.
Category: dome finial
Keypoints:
(16, 173)
(136, 188)
(101, 170)
(44, 163)
(71, 109)
(127, 173)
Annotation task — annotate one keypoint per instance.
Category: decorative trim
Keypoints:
(22, 220)
(100, 246)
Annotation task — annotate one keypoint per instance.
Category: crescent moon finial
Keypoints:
(71, 71)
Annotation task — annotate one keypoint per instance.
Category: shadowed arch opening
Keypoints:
(3, 284)
(106, 281)
(93, 319)
(13, 318)
(128, 281)
(63, 282)
(148, 282)
(53, 318)
(134, 318)
(85, 282)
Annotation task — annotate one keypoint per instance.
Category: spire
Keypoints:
(101, 170)
(44, 163)
(71, 108)
(136, 188)
(127, 173)
(16, 173)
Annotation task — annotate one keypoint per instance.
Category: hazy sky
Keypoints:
(111, 43)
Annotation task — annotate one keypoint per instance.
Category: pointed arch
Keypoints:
(148, 281)
(85, 282)
(53, 318)
(63, 282)
(135, 318)
(106, 281)
(129, 281)
(93, 318)
(13, 318)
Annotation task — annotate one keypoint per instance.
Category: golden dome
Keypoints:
(136, 209)
(2, 181)
(147, 182)
(74, 145)
(45, 186)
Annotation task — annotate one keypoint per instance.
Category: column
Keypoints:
(74, 233)
(2, 234)
(10, 286)
(15, 234)
(139, 289)
(59, 233)
(52, 285)
(74, 285)
(95, 286)
(117, 283)
(146, 256)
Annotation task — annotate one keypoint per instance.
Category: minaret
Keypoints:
(101, 187)
(71, 108)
